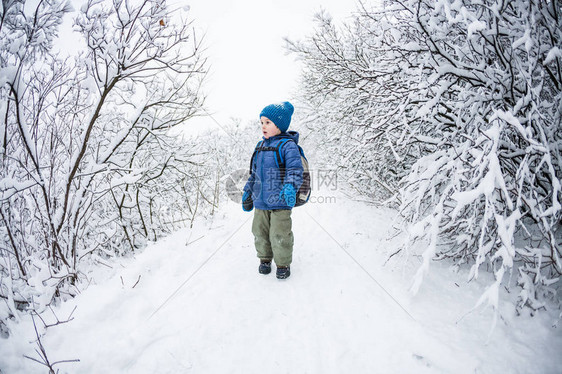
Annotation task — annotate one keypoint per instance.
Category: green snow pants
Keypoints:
(273, 236)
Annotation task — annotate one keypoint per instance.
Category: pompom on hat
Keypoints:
(280, 114)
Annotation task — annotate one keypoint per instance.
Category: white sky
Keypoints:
(249, 67)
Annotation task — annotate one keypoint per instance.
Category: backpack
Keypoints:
(303, 194)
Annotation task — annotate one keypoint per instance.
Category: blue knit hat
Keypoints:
(280, 114)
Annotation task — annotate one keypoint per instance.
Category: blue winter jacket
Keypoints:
(265, 182)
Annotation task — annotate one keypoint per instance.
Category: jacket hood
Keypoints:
(293, 135)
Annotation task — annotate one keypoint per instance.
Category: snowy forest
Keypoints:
(447, 111)
(452, 112)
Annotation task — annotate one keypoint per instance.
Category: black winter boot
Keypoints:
(283, 272)
(265, 267)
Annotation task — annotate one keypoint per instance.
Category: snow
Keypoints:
(525, 39)
(475, 27)
(195, 303)
(30, 7)
(8, 75)
(412, 46)
(9, 186)
(553, 54)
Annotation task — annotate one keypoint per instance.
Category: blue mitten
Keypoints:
(289, 194)
(247, 202)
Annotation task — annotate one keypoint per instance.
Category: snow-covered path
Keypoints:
(200, 306)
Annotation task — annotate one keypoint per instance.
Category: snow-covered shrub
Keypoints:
(457, 104)
(490, 193)
(358, 88)
(89, 168)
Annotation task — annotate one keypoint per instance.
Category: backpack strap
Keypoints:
(278, 156)
(256, 150)
(259, 148)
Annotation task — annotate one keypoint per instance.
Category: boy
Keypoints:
(272, 189)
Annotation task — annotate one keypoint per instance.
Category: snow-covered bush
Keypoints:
(490, 193)
(89, 168)
(457, 104)
(358, 88)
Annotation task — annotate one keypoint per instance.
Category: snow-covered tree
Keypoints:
(89, 165)
(491, 191)
(359, 85)
(457, 103)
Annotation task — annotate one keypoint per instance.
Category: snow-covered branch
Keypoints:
(87, 157)
(456, 104)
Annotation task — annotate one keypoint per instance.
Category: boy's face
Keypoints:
(268, 128)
